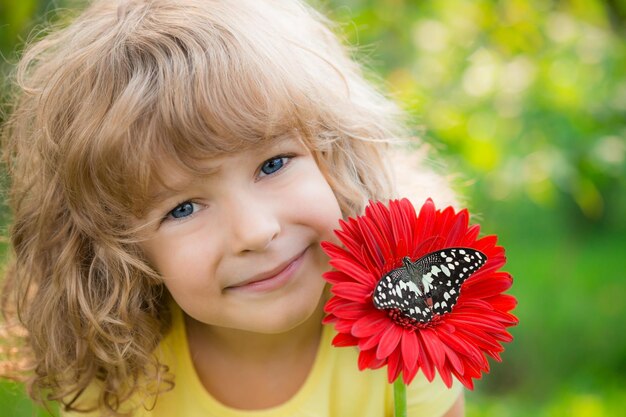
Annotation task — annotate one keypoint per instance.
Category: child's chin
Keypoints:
(285, 320)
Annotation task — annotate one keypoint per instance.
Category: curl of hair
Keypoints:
(102, 103)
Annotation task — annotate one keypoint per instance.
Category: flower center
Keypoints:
(410, 323)
(404, 321)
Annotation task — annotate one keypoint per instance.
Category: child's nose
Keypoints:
(254, 224)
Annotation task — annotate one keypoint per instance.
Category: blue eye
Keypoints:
(183, 210)
(272, 165)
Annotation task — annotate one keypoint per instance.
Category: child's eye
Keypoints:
(182, 210)
(275, 164)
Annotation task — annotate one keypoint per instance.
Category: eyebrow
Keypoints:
(165, 191)
(155, 199)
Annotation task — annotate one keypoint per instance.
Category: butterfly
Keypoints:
(430, 285)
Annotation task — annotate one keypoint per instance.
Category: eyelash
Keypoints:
(289, 157)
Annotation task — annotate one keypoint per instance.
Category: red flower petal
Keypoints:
(335, 277)
(428, 367)
(354, 271)
(332, 303)
(400, 231)
(342, 326)
(383, 243)
(351, 291)
(486, 243)
(371, 342)
(388, 341)
(434, 347)
(478, 338)
(453, 360)
(471, 235)
(367, 359)
(371, 265)
(458, 230)
(372, 247)
(495, 284)
(409, 374)
(351, 311)
(409, 348)
(502, 302)
(369, 325)
(482, 322)
(344, 339)
(394, 366)
(426, 223)
(351, 244)
(377, 213)
(461, 346)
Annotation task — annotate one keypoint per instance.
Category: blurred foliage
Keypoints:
(527, 99)
(16, 20)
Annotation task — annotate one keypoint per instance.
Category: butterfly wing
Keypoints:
(399, 290)
(444, 271)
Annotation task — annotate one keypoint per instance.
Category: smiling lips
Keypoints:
(273, 279)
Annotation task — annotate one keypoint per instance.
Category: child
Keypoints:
(175, 165)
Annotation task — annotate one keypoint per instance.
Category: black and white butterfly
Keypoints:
(430, 285)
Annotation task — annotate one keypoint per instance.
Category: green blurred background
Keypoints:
(526, 99)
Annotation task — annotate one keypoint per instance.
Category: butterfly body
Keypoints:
(430, 285)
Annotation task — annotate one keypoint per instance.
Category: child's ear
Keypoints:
(417, 177)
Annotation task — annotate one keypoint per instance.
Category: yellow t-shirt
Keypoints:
(334, 388)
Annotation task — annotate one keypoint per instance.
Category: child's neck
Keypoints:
(250, 371)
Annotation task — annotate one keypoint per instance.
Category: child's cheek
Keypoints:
(176, 253)
(317, 202)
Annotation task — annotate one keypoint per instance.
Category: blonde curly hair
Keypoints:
(98, 103)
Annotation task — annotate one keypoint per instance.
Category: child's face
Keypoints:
(222, 239)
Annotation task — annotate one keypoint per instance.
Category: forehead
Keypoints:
(171, 174)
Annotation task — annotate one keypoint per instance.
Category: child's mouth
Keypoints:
(273, 279)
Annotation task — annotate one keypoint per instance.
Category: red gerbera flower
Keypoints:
(447, 320)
